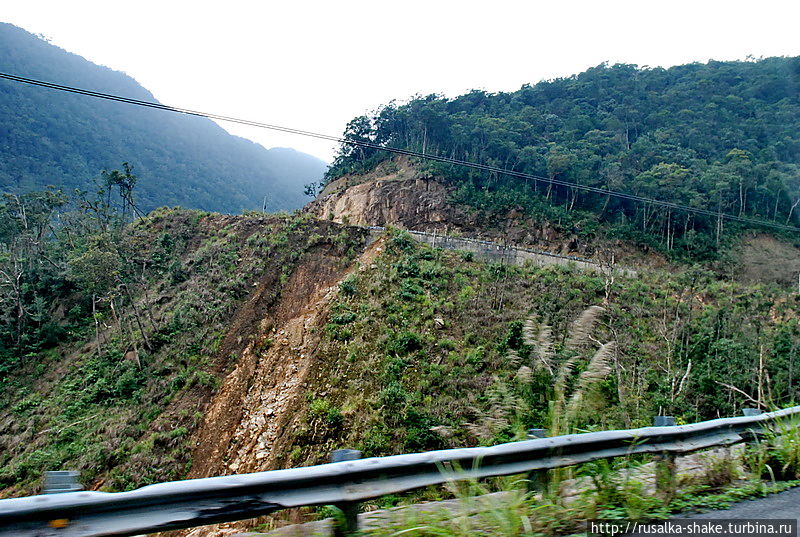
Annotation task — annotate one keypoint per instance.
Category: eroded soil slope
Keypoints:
(215, 300)
(265, 390)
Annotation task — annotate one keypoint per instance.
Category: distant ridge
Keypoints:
(50, 138)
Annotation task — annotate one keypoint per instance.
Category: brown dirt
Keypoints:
(246, 420)
(763, 258)
(264, 391)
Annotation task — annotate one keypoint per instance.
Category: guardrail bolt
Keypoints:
(538, 480)
(349, 524)
(665, 464)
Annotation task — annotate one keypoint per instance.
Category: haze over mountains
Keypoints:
(56, 138)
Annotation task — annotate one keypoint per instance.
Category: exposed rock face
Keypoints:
(411, 203)
(407, 199)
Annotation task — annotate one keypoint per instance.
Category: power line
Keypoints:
(400, 151)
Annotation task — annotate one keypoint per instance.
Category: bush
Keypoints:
(403, 242)
(344, 318)
(348, 286)
(410, 291)
(393, 398)
(407, 268)
(404, 343)
(321, 409)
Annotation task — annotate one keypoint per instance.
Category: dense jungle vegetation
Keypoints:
(721, 136)
(50, 137)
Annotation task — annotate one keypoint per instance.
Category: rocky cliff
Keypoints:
(398, 194)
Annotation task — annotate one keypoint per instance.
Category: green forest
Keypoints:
(720, 136)
(49, 137)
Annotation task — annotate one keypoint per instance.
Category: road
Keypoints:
(782, 505)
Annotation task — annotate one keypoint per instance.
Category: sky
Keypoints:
(314, 65)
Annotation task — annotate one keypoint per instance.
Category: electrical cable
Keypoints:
(400, 151)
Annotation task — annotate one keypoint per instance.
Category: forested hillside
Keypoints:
(182, 343)
(721, 136)
(55, 138)
(193, 344)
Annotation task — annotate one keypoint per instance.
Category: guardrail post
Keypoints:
(61, 481)
(538, 480)
(665, 464)
(349, 524)
(753, 436)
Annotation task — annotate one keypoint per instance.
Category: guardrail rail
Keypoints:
(197, 502)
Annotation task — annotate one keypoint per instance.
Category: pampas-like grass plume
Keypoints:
(598, 369)
(542, 343)
(529, 332)
(544, 347)
(524, 375)
(583, 326)
(560, 395)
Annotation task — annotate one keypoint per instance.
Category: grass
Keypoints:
(423, 349)
(127, 423)
(610, 490)
(506, 508)
(421, 339)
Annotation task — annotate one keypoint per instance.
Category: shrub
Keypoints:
(404, 343)
(344, 318)
(393, 398)
(447, 344)
(321, 409)
(410, 291)
(403, 242)
(348, 286)
(407, 268)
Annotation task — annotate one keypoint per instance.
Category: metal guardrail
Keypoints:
(507, 248)
(197, 502)
(493, 244)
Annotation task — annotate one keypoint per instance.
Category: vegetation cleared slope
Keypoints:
(55, 138)
(115, 375)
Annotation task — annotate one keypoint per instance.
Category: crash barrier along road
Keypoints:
(506, 254)
(197, 502)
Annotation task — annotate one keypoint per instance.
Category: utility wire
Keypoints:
(400, 151)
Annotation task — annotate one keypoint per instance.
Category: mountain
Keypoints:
(49, 137)
(720, 136)
(190, 344)
(256, 342)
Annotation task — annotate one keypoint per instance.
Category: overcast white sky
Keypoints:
(314, 65)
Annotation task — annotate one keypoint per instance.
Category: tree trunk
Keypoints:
(137, 317)
(791, 210)
(96, 325)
